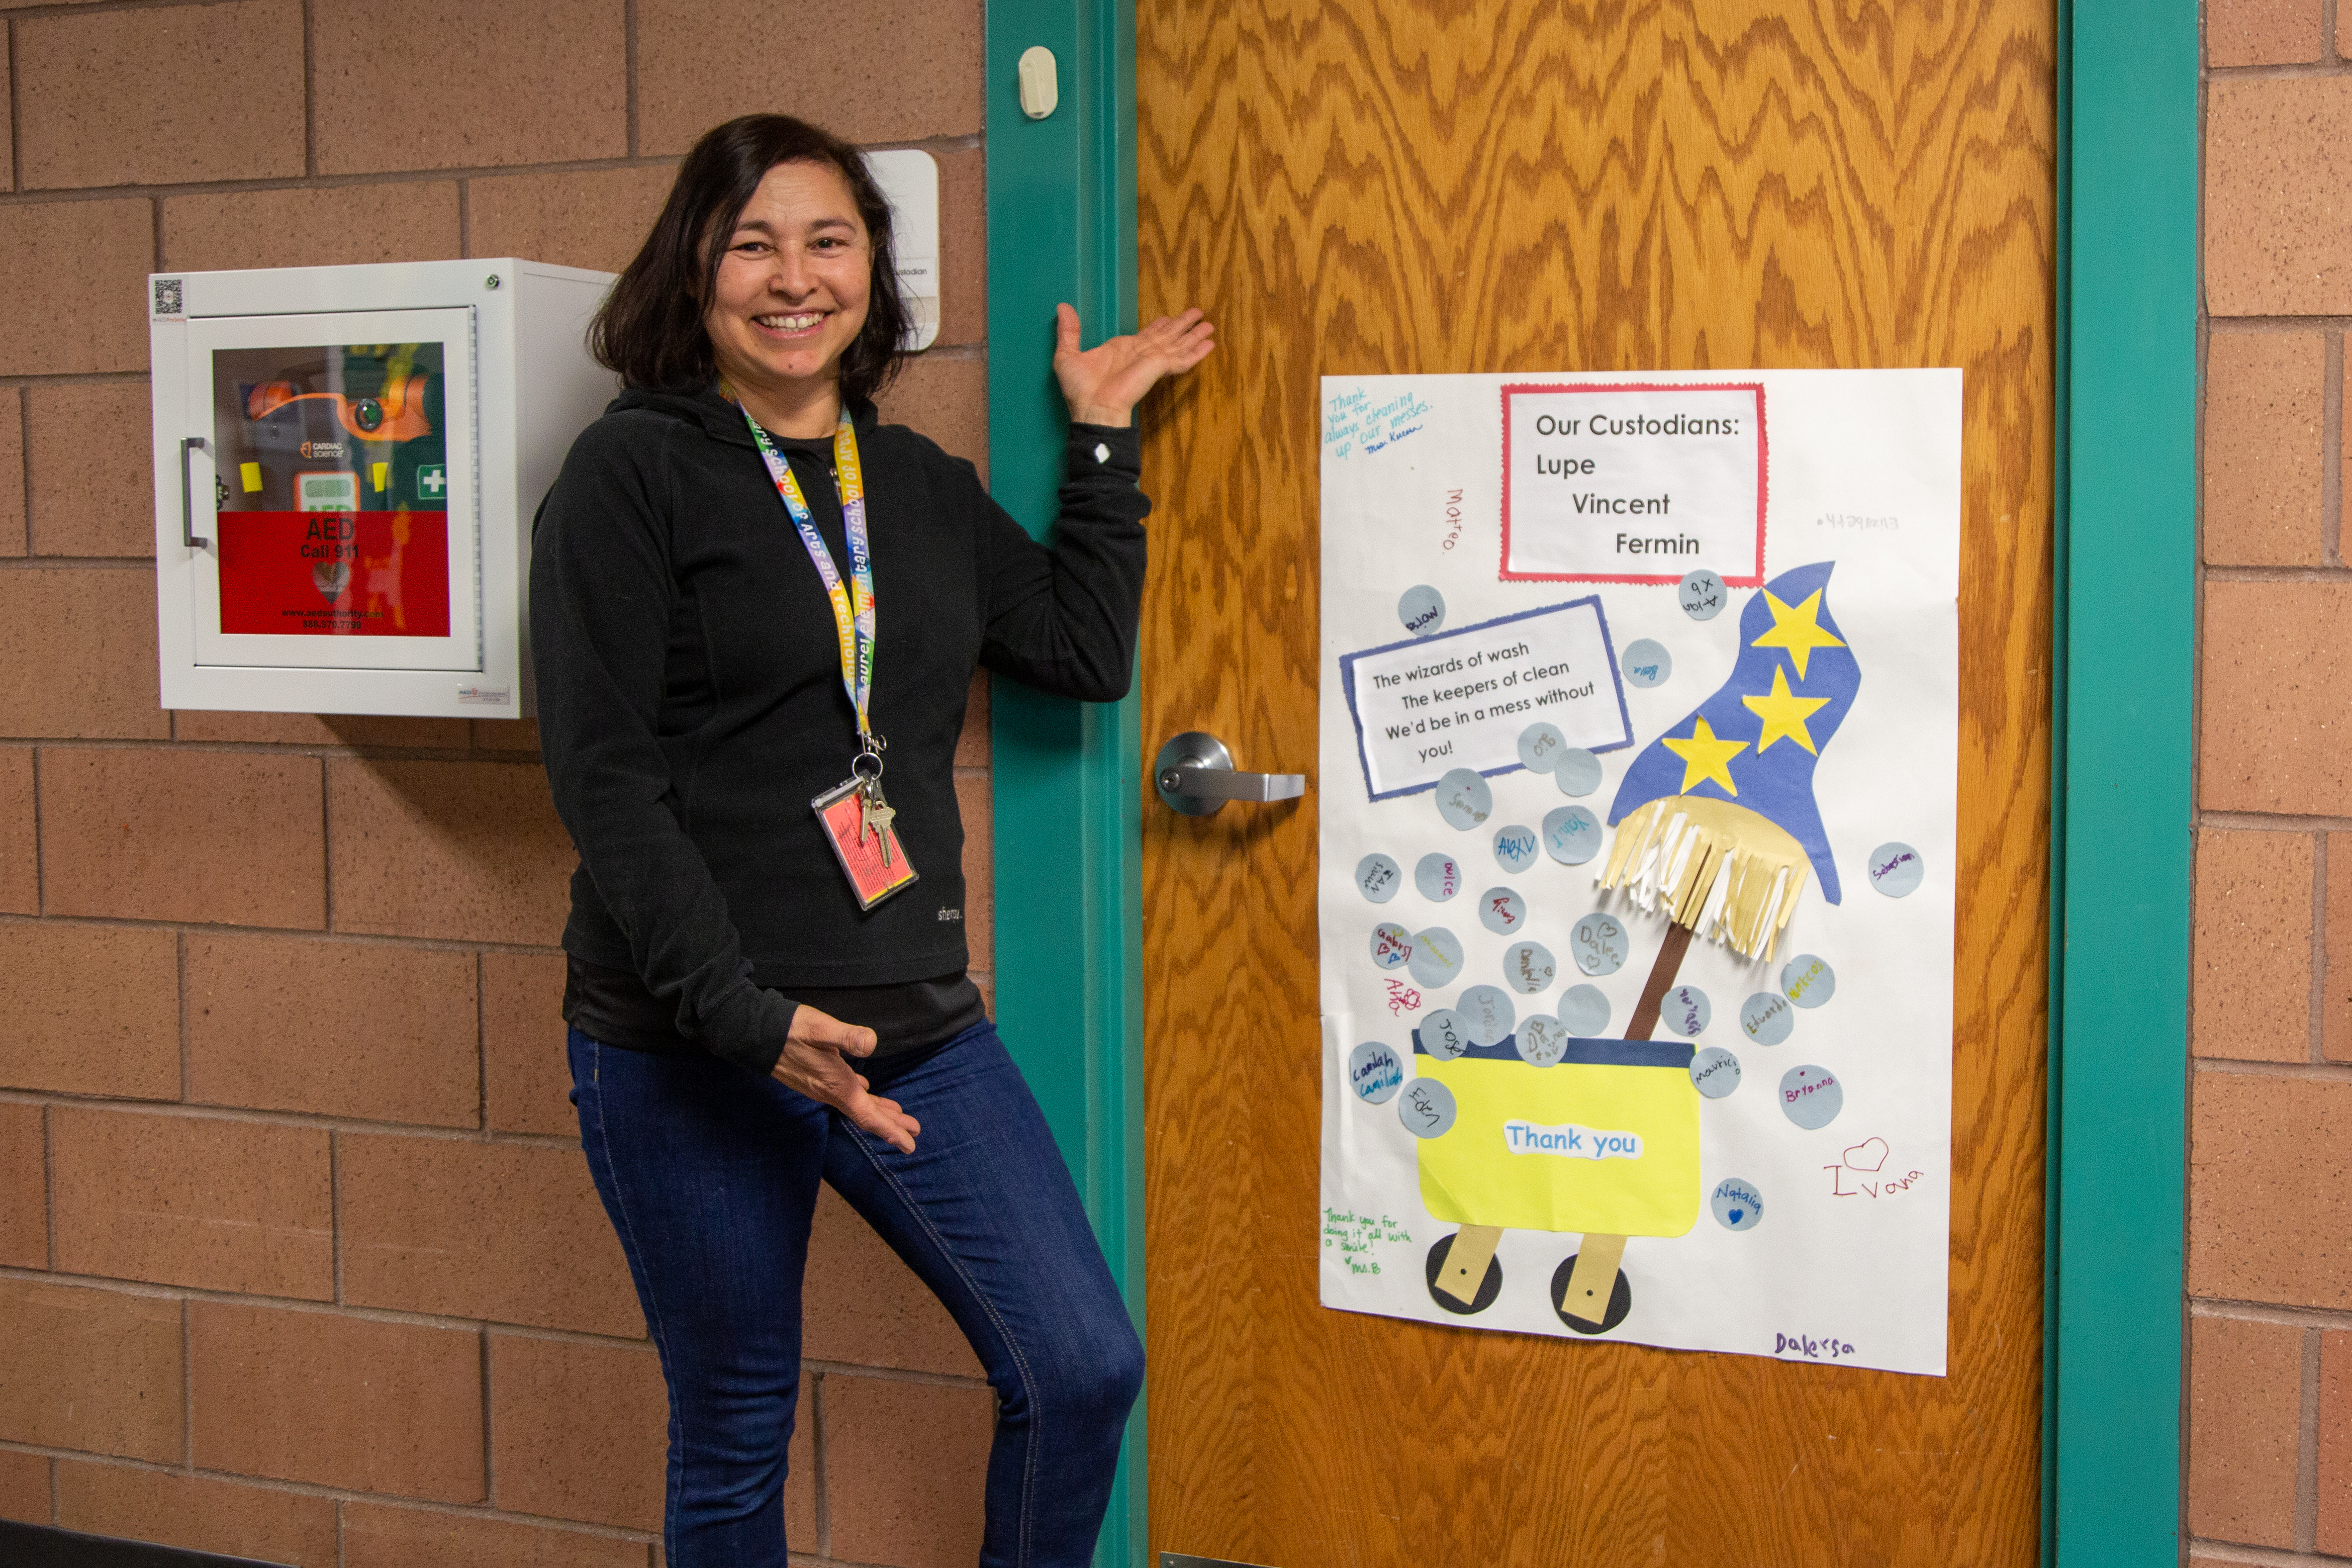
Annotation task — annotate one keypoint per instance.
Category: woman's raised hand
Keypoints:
(1104, 383)
(814, 1063)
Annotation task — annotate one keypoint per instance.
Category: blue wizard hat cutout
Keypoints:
(1752, 745)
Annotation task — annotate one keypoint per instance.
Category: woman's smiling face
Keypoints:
(793, 282)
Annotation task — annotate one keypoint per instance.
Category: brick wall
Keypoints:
(2269, 1466)
(299, 1258)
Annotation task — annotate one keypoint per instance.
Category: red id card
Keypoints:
(871, 877)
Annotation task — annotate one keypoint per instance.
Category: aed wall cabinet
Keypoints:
(347, 462)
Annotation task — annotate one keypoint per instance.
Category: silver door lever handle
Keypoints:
(1195, 775)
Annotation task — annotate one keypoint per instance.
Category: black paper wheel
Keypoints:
(1621, 1300)
(1488, 1288)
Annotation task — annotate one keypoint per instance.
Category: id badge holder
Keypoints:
(842, 814)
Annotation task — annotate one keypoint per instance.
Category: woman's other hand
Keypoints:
(1103, 384)
(814, 1063)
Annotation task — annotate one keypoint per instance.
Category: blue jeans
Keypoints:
(710, 1177)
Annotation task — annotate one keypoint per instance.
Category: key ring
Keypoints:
(873, 754)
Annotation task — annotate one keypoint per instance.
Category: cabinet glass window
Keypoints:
(333, 483)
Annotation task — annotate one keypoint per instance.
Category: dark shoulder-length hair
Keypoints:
(650, 326)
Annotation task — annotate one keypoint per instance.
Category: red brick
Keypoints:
(349, 730)
(8, 152)
(905, 1463)
(379, 1537)
(20, 862)
(24, 1487)
(2278, 242)
(80, 644)
(974, 799)
(947, 400)
(594, 217)
(963, 246)
(972, 744)
(83, 504)
(507, 735)
(896, 70)
(2245, 1397)
(365, 1030)
(2262, 418)
(94, 1370)
(468, 852)
(343, 226)
(526, 1078)
(90, 1009)
(159, 96)
(800, 1468)
(337, 1401)
(24, 1187)
(578, 1431)
(2277, 706)
(196, 1512)
(2336, 1443)
(2270, 1203)
(2335, 992)
(12, 472)
(228, 837)
(186, 1200)
(2262, 32)
(73, 298)
(510, 1232)
(482, 82)
(860, 1305)
(2252, 992)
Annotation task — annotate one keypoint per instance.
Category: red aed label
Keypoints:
(335, 574)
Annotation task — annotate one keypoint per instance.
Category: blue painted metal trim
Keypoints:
(2125, 658)
(1068, 775)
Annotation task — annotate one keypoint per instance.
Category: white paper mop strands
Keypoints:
(1710, 861)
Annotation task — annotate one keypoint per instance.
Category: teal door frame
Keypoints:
(1068, 789)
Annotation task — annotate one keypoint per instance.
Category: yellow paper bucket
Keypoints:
(1606, 1140)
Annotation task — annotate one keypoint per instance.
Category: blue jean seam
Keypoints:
(653, 1311)
(1036, 1390)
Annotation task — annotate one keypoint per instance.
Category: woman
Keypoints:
(755, 614)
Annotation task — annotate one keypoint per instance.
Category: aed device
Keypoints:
(348, 460)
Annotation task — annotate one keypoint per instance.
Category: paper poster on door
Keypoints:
(1639, 736)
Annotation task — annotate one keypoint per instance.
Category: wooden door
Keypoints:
(1381, 187)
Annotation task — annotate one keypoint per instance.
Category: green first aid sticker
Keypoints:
(433, 482)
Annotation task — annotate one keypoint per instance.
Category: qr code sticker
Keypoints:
(168, 298)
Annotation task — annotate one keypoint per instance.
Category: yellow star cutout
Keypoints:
(1784, 714)
(1798, 629)
(1705, 758)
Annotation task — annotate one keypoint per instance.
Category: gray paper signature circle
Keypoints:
(1439, 877)
(1541, 747)
(1702, 595)
(1685, 1010)
(1391, 945)
(1515, 847)
(1444, 1034)
(1738, 1205)
(1436, 960)
(1715, 1071)
(1464, 799)
(1583, 1011)
(1502, 911)
(1528, 968)
(1812, 1096)
(1597, 944)
(1489, 1012)
(1806, 980)
(1422, 609)
(1578, 773)
(1896, 868)
(1767, 1017)
(1541, 1040)
(1374, 1073)
(1571, 835)
(1378, 877)
(1426, 1108)
(1646, 663)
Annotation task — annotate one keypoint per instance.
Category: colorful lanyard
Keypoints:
(852, 619)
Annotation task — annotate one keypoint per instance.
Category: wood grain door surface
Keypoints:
(1389, 186)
